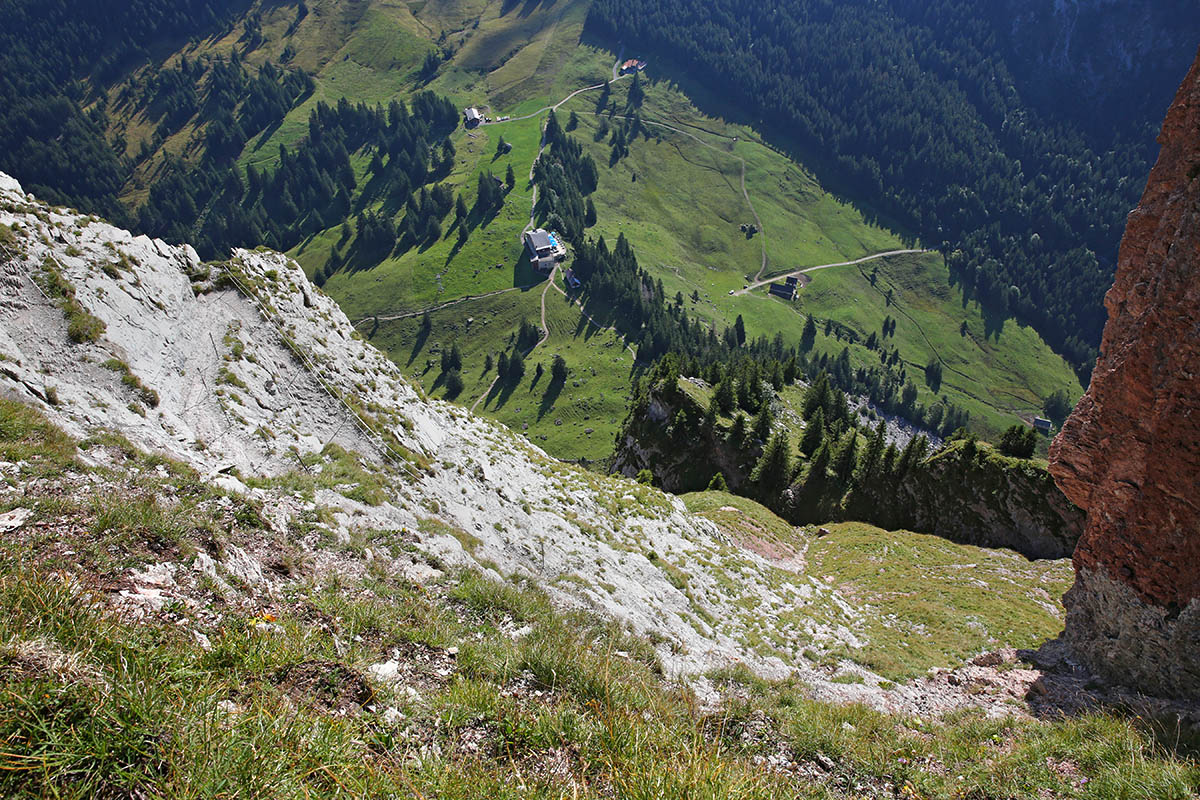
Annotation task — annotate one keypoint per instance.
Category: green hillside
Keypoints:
(683, 192)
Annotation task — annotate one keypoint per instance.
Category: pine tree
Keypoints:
(454, 383)
(817, 396)
(816, 482)
(814, 433)
(762, 423)
(516, 366)
(739, 330)
(737, 431)
(724, 395)
(774, 467)
(913, 453)
(869, 463)
(809, 336)
(510, 179)
(845, 455)
(890, 456)
(558, 370)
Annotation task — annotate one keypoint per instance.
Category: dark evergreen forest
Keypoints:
(52, 52)
(47, 50)
(911, 109)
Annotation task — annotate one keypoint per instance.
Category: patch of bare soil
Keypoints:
(325, 685)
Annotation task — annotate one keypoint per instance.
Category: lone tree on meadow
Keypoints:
(933, 374)
(558, 370)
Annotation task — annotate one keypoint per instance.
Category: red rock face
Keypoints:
(1130, 454)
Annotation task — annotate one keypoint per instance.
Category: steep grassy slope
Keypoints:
(1007, 599)
(577, 419)
(679, 200)
(331, 673)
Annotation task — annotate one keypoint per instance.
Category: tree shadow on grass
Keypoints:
(550, 397)
(500, 392)
(418, 345)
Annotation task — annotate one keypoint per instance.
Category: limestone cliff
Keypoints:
(1130, 454)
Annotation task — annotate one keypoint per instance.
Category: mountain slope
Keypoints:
(254, 377)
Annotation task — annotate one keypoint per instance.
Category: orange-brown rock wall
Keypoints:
(1130, 453)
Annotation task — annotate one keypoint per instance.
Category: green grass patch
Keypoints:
(928, 602)
(81, 325)
(27, 436)
(143, 392)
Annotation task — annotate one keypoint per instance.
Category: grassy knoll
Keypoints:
(927, 601)
(923, 601)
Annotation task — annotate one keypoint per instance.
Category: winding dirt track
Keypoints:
(759, 283)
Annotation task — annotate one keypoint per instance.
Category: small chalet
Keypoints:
(472, 117)
(545, 249)
(632, 65)
(786, 291)
(572, 279)
(1043, 425)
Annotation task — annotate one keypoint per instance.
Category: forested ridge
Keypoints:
(48, 49)
(910, 109)
(56, 61)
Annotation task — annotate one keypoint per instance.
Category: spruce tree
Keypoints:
(762, 423)
(869, 463)
(817, 396)
(774, 467)
(724, 395)
(845, 455)
(516, 366)
(814, 433)
(737, 431)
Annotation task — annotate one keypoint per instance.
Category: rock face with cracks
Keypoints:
(1130, 453)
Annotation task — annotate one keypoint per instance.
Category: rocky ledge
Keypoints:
(1130, 454)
